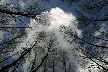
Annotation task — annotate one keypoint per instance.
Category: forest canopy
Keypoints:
(53, 35)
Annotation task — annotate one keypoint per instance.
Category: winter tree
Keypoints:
(53, 36)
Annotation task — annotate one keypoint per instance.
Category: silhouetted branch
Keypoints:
(101, 60)
(9, 57)
(35, 69)
(15, 27)
(93, 20)
(17, 13)
(90, 43)
(4, 68)
(11, 40)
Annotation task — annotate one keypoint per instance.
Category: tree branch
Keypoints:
(90, 43)
(35, 69)
(17, 13)
(3, 69)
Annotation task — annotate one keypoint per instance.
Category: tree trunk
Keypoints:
(53, 66)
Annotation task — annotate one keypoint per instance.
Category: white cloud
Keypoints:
(59, 17)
